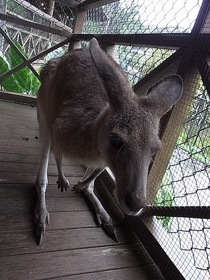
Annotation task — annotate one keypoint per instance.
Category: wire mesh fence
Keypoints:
(187, 183)
(141, 17)
(138, 16)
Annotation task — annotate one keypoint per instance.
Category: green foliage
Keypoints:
(10, 82)
(22, 81)
(164, 198)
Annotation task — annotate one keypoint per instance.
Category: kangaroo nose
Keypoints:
(132, 202)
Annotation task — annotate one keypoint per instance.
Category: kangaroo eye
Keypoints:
(117, 143)
(155, 150)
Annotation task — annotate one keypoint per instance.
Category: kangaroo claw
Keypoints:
(63, 184)
(107, 227)
(41, 221)
(40, 230)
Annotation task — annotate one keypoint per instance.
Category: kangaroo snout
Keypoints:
(133, 202)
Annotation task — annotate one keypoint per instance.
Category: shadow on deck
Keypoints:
(73, 246)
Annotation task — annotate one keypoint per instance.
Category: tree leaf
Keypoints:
(9, 83)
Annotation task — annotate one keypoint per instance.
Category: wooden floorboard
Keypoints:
(74, 247)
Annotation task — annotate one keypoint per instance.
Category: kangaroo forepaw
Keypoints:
(79, 186)
(41, 219)
(63, 184)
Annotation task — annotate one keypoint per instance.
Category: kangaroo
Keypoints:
(87, 110)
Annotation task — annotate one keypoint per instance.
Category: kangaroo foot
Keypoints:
(105, 222)
(42, 218)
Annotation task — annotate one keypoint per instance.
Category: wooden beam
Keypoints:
(202, 17)
(78, 25)
(198, 212)
(91, 4)
(204, 69)
(64, 32)
(18, 98)
(169, 41)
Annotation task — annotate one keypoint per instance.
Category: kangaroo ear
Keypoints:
(114, 79)
(164, 94)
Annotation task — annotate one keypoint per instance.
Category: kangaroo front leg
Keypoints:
(41, 213)
(90, 175)
(62, 182)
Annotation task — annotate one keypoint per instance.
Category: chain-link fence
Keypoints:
(187, 183)
(29, 40)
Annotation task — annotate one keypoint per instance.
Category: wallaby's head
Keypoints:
(128, 133)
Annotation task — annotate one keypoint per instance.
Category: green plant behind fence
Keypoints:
(22, 81)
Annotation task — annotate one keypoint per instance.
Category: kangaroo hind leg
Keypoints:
(41, 213)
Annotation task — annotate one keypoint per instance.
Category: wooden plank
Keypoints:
(54, 204)
(19, 98)
(33, 168)
(24, 190)
(131, 273)
(22, 222)
(24, 139)
(57, 240)
(21, 142)
(17, 123)
(69, 262)
(19, 132)
(26, 156)
(19, 157)
(14, 146)
(27, 178)
(25, 111)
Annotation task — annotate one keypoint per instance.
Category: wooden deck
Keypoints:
(73, 246)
